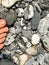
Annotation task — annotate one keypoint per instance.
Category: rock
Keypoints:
(46, 42)
(9, 16)
(20, 12)
(27, 33)
(30, 61)
(9, 3)
(9, 39)
(25, 39)
(41, 58)
(15, 60)
(35, 21)
(35, 39)
(29, 9)
(32, 50)
(12, 30)
(28, 44)
(43, 25)
(23, 59)
(22, 47)
(18, 30)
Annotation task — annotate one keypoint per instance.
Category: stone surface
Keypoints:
(9, 3)
(43, 26)
(29, 9)
(23, 59)
(35, 21)
(46, 42)
(32, 50)
(35, 39)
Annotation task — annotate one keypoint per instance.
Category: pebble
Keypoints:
(33, 51)
(12, 30)
(35, 39)
(30, 61)
(43, 25)
(9, 40)
(9, 16)
(29, 9)
(9, 3)
(27, 33)
(35, 21)
(23, 59)
(20, 12)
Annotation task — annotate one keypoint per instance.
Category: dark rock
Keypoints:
(35, 21)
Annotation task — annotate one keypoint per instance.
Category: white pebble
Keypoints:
(35, 39)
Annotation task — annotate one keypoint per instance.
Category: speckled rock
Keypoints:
(44, 25)
(29, 9)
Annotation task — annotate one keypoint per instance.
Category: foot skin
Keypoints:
(3, 31)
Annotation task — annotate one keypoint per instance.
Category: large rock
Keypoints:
(9, 3)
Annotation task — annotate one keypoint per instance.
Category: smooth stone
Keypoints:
(35, 21)
(23, 59)
(9, 3)
(32, 50)
(9, 16)
(35, 39)
(29, 9)
(43, 25)
(12, 30)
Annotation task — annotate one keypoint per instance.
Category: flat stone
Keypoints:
(9, 40)
(9, 3)
(35, 39)
(23, 59)
(33, 51)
